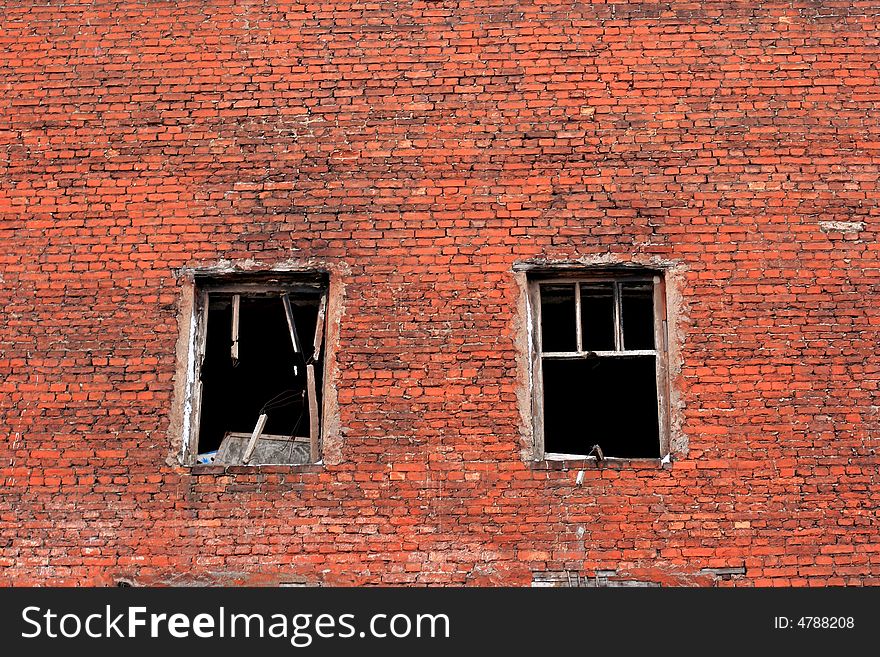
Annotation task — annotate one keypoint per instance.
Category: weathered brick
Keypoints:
(420, 151)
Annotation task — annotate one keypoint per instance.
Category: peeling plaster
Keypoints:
(842, 226)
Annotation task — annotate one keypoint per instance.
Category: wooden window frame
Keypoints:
(660, 351)
(250, 284)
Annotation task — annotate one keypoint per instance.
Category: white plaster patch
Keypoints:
(842, 226)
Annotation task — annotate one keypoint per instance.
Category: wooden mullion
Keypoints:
(618, 324)
(574, 355)
(314, 421)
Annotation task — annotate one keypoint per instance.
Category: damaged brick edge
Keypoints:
(616, 579)
(600, 579)
(674, 276)
(181, 413)
(724, 573)
(211, 579)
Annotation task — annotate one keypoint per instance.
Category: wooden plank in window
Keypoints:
(255, 436)
(319, 329)
(314, 422)
(236, 312)
(291, 325)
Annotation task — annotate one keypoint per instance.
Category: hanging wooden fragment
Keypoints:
(203, 330)
(288, 312)
(236, 308)
(319, 330)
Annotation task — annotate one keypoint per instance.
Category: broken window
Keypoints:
(258, 371)
(600, 365)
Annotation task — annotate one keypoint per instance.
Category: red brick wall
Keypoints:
(422, 149)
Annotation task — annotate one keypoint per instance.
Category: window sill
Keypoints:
(203, 469)
(575, 462)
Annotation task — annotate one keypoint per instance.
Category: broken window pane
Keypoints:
(263, 375)
(609, 401)
(637, 315)
(597, 316)
(558, 323)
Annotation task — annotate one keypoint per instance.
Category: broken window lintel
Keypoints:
(274, 281)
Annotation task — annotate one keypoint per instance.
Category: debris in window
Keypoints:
(207, 457)
(268, 450)
(255, 436)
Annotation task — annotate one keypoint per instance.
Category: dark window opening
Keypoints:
(597, 316)
(558, 319)
(259, 387)
(610, 402)
(601, 375)
(637, 315)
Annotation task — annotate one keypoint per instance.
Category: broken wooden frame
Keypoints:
(599, 410)
(236, 314)
(295, 295)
